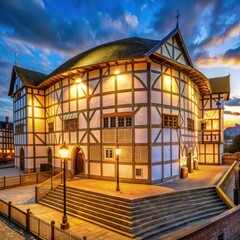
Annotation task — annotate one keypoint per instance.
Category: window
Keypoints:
(203, 126)
(121, 122)
(19, 129)
(113, 121)
(170, 121)
(50, 127)
(105, 122)
(190, 124)
(139, 172)
(108, 153)
(128, 121)
(71, 124)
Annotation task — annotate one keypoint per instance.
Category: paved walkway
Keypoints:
(24, 198)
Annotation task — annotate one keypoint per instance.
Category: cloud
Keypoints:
(132, 20)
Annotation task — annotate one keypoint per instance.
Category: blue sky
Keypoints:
(46, 33)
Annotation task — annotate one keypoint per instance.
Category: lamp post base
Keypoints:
(65, 223)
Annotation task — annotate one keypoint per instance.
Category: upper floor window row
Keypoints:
(111, 122)
(170, 121)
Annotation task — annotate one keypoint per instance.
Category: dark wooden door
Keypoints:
(22, 165)
(79, 163)
(189, 162)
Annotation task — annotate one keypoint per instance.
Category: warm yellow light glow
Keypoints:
(63, 151)
(78, 80)
(118, 150)
(13, 151)
(167, 82)
(0, 150)
(8, 151)
(117, 71)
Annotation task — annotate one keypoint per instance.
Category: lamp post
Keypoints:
(63, 154)
(118, 151)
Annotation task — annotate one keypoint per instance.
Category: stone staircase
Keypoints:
(140, 217)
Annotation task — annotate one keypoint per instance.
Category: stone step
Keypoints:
(139, 217)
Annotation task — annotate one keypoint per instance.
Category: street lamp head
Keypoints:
(118, 150)
(63, 151)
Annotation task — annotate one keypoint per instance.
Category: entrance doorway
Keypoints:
(79, 162)
(22, 165)
(189, 161)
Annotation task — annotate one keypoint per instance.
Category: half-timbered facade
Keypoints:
(142, 94)
(6, 140)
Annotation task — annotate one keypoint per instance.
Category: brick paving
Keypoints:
(24, 198)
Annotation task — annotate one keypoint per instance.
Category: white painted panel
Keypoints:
(124, 98)
(166, 134)
(209, 159)
(174, 135)
(175, 169)
(73, 106)
(73, 137)
(175, 152)
(141, 116)
(92, 86)
(94, 102)
(156, 97)
(175, 100)
(82, 121)
(40, 151)
(96, 120)
(157, 172)
(140, 96)
(125, 171)
(108, 170)
(108, 84)
(96, 134)
(82, 104)
(66, 136)
(156, 80)
(156, 118)
(39, 125)
(82, 90)
(156, 153)
(65, 94)
(166, 153)
(124, 110)
(65, 108)
(108, 100)
(167, 170)
(124, 81)
(141, 136)
(95, 169)
(209, 148)
(166, 98)
(155, 132)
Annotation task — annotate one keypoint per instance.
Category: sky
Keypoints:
(42, 34)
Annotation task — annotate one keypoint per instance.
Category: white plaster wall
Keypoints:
(156, 153)
(82, 104)
(141, 135)
(125, 171)
(156, 118)
(82, 121)
(108, 100)
(175, 169)
(166, 99)
(140, 96)
(95, 121)
(95, 169)
(108, 84)
(141, 117)
(156, 97)
(175, 152)
(157, 172)
(124, 81)
(94, 102)
(96, 134)
(108, 170)
(155, 132)
(175, 135)
(167, 170)
(124, 98)
(166, 134)
(166, 153)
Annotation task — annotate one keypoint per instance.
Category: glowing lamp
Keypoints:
(118, 150)
(63, 151)
(117, 71)
(78, 80)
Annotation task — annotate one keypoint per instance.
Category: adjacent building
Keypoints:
(6, 140)
(142, 94)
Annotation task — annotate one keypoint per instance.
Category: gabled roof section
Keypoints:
(3, 125)
(28, 77)
(220, 85)
(178, 42)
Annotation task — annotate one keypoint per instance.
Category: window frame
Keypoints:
(71, 122)
(170, 121)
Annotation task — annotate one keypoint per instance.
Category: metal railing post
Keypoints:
(52, 229)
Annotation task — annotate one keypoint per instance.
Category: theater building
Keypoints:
(142, 94)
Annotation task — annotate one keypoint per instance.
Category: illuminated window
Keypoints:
(71, 124)
(170, 121)
(190, 124)
(108, 153)
(50, 127)
(139, 172)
